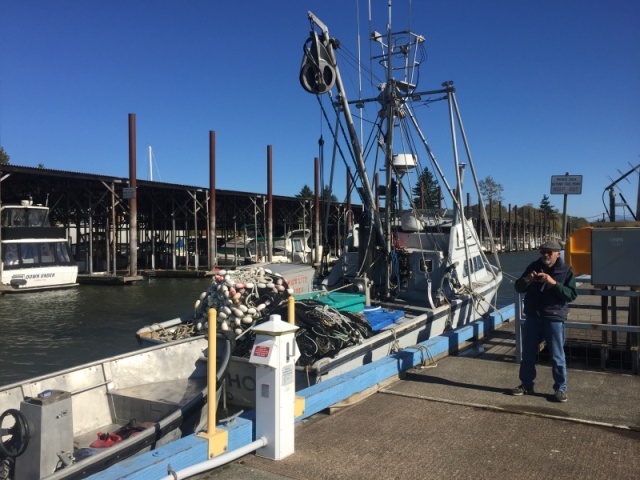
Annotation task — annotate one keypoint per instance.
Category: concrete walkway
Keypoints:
(454, 419)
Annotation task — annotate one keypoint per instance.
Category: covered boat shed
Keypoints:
(172, 221)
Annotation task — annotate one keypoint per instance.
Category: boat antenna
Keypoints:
(150, 164)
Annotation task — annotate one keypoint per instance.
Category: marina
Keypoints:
(213, 331)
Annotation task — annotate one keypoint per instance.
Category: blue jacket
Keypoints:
(543, 300)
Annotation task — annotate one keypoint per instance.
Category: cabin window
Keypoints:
(28, 253)
(62, 252)
(475, 264)
(47, 253)
(10, 254)
(478, 263)
(297, 245)
(20, 255)
(426, 265)
(24, 217)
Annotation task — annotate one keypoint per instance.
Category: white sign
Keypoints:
(566, 184)
(128, 193)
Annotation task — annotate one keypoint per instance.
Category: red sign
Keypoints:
(260, 351)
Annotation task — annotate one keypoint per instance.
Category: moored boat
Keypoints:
(78, 421)
(418, 262)
(34, 254)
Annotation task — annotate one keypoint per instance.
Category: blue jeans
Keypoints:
(534, 331)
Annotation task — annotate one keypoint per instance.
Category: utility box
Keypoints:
(274, 354)
(614, 256)
(50, 421)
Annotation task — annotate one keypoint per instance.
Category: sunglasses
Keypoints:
(546, 252)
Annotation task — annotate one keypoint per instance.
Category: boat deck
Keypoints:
(144, 403)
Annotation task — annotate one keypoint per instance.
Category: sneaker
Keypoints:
(521, 390)
(560, 396)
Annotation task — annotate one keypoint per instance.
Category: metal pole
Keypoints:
(235, 243)
(612, 205)
(255, 222)
(114, 228)
(270, 198)
(1, 252)
(90, 241)
(213, 245)
(173, 239)
(316, 223)
(264, 232)
(304, 217)
(196, 259)
(133, 206)
(563, 236)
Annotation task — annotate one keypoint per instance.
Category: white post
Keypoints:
(274, 354)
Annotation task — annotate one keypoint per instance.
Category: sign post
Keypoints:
(566, 185)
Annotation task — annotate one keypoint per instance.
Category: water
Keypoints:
(513, 264)
(44, 332)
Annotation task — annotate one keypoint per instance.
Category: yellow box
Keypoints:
(577, 251)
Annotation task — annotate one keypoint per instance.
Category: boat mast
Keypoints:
(367, 192)
(390, 98)
(150, 164)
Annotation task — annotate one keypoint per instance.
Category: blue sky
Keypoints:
(544, 87)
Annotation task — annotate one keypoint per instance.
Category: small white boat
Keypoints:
(78, 421)
(35, 255)
(246, 250)
(237, 251)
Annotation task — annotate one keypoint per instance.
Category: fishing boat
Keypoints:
(414, 249)
(413, 266)
(78, 421)
(35, 255)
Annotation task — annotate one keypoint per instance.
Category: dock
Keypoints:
(104, 278)
(454, 419)
(448, 416)
(107, 279)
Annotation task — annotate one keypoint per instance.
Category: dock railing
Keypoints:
(609, 329)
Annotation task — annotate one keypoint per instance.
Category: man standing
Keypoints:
(549, 285)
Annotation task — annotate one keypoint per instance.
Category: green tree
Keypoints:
(426, 193)
(490, 189)
(327, 195)
(305, 192)
(4, 157)
(546, 207)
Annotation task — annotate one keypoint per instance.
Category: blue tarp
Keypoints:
(379, 318)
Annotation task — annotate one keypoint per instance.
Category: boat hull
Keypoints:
(40, 278)
(409, 330)
(163, 388)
